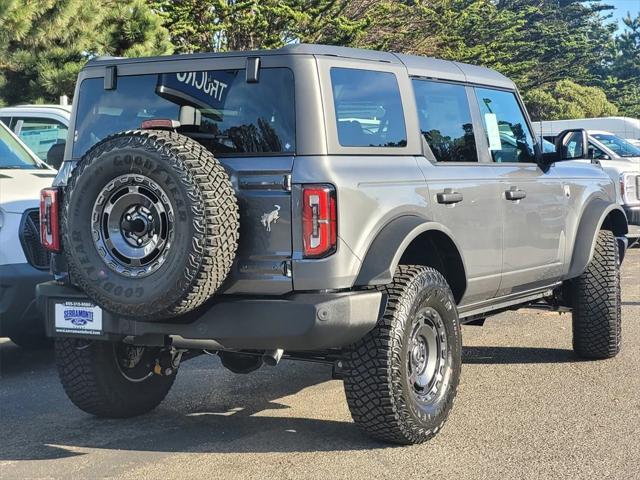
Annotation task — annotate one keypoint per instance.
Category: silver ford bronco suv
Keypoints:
(320, 203)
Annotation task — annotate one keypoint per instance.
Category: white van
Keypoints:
(623, 127)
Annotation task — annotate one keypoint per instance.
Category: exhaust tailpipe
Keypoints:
(272, 357)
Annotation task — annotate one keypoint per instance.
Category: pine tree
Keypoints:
(44, 44)
(540, 44)
(624, 79)
(223, 25)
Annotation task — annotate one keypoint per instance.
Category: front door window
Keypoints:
(510, 140)
(445, 120)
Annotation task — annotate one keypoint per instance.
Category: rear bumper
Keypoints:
(303, 321)
(18, 311)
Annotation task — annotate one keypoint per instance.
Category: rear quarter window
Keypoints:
(368, 108)
(236, 117)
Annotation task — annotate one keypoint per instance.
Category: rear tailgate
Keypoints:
(248, 125)
(262, 186)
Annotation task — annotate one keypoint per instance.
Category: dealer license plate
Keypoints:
(78, 317)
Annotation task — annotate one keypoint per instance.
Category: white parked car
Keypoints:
(23, 261)
(43, 128)
(619, 158)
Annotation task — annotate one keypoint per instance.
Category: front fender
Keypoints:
(597, 214)
(385, 251)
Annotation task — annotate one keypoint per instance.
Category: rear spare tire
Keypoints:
(150, 224)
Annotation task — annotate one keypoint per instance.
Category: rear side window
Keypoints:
(236, 117)
(445, 120)
(507, 132)
(40, 134)
(368, 108)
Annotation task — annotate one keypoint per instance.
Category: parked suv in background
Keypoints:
(43, 128)
(620, 159)
(335, 205)
(23, 261)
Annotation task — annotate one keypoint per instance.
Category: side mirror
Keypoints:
(570, 144)
(55, 155)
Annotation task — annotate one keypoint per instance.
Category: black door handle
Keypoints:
(515, 194)
(449, 197)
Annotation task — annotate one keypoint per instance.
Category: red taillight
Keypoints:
(49, 224)
(319, 221)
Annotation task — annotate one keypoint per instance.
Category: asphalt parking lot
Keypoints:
(526, 408)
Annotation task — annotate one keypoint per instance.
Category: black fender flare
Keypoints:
(593, 218)
(392, 240)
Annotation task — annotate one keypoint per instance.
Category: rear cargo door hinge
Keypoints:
(286, 182)
(286, 268)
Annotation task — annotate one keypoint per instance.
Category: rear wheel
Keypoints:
(401, 378)
(595, 298)
(111, 379)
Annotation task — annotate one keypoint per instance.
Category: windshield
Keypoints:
(235, 116)
(617, 144)
(12, 154)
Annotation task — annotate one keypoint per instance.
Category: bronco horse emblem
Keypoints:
(272, 217)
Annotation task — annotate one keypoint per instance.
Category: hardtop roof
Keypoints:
(416, 65)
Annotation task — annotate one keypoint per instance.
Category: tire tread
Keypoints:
(372, 377)
(596, 317)
(84, 371)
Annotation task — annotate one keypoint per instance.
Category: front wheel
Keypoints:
(595, 297)
(110, 379)
(401, 378)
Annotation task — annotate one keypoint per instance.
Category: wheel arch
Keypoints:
(599, 214)
(411, 239)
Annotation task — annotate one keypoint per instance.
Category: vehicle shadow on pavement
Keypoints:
(15, 360)
(514, 355)
(209, 409)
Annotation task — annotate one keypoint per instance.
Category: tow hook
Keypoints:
(168, 362)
